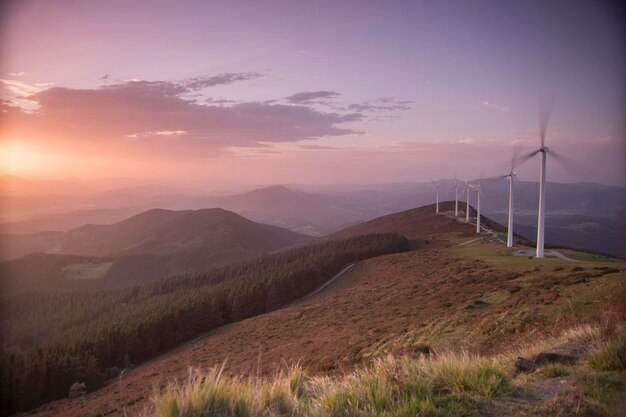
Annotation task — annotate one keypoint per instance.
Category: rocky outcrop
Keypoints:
(566, 353)
(77, 389)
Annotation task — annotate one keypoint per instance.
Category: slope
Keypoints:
(475, 296)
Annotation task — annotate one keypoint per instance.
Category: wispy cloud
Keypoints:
(21, 89)
(318, 147)
(198, 83)
(383, 104)
(309, 97)
(494, 106)
(166, 133)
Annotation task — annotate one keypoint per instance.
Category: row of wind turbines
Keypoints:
(511, 175)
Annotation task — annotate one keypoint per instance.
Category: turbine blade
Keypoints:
(521, 159)
(515, 156)
(571, 167)
(545, 112)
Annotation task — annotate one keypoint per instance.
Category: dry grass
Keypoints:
(446, 384)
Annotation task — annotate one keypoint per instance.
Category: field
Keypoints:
(87, 270)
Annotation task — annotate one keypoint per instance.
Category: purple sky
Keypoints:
(290, 91)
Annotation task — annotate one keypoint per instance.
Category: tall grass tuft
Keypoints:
(611, 358)
(443, 385)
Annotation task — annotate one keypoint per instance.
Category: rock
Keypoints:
(524, 365)
(77, 389)
(549, 388)
(565, 353)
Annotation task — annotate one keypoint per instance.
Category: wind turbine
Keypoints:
(477, 190)
(511, 176)
(544, 119)
(437, 205)
(509, 238)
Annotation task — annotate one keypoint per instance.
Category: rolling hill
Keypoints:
(592, 213)
(144, 247)
(455, 292)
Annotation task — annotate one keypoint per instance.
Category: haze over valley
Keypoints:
(312, 209)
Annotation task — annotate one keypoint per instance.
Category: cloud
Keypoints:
(156, 111)
(171, 133)
(199, 83)
(379, 105)
(19, 88)
(308, 97)
(220, 101)
(501, 109)
(318, 147)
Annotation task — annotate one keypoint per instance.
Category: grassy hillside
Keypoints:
(439, 297)
(52, 339)
(421, 384)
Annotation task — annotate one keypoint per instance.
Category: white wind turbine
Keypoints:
(509, 238)
(437, 204)
(467, 206)
(477, 191)
(544, 118)
(511, 176)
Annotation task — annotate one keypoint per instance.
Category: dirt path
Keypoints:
(548, 253)
(323, 286)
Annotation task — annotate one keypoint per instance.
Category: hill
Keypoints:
(145, 247)
(158, 231)
(439, 296)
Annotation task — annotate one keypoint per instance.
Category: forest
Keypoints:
(52, 339)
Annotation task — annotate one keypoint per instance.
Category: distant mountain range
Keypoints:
(585, 215)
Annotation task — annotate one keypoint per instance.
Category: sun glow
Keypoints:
(17, 158)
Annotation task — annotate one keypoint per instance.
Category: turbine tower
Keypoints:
(477, 190)
(509, 238)
(511, 176)
(541, 217)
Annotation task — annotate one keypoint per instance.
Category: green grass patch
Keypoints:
(86, 270)
(555, 370)
(611, 358)
(605, 388)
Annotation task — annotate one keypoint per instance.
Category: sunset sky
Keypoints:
(262, 92)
